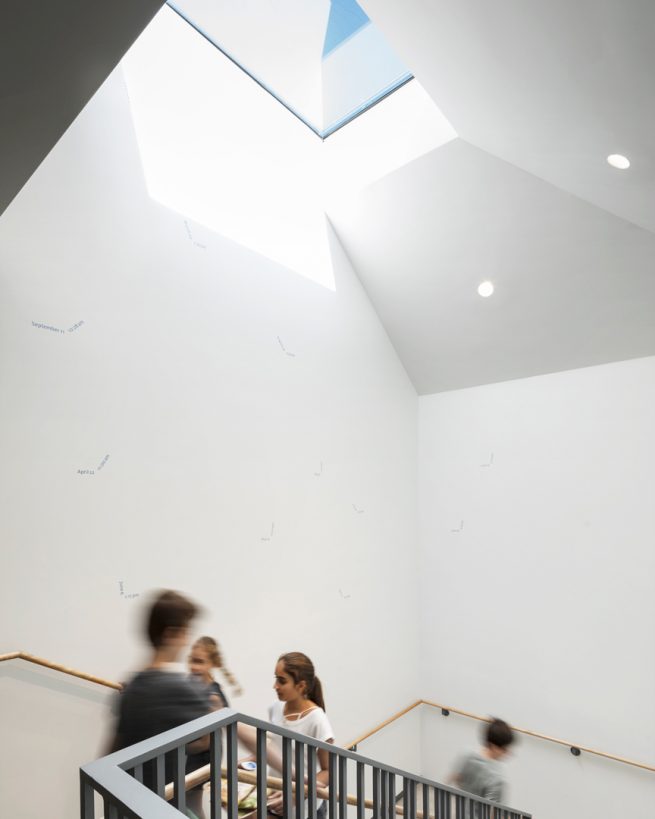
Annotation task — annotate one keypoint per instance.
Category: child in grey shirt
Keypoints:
(480, 773)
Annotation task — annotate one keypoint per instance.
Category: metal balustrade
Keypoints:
(132, 783)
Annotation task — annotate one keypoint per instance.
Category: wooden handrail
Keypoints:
(574, 746)
(72, 672)
(384, 724)
(12, 656)
(31, 658)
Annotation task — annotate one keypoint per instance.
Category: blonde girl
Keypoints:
(205, 656)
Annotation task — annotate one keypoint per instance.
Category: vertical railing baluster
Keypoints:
(384, 794)
(332, 798)
(312, 801)
(232, 772)
(361, 790)
(160, 775)
(287, 778)
(111, 811)
(343, 787)
(426, 802)
(392, 796)
(179, 793)
(138, 773)
(87, 798)
(300, 780)
(262, 810)
(377, 812)
(215, 751)
(409, 788)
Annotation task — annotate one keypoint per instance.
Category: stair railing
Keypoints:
(132, 782)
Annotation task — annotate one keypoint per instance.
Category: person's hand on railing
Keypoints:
(248, 737)
(275, 804)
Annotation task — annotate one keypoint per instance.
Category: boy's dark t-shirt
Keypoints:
(154, 701)
(195, 761)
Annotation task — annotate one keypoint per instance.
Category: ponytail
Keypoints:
(316, 693)
(211, 647)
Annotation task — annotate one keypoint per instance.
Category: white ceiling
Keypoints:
(540, 94)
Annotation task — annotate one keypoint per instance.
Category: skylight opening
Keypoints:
(324, 60)
(223, 153)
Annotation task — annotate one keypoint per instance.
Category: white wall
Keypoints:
(537, 569)
(214, 435)
(397, 744)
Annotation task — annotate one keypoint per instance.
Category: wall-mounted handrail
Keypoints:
(72, 672)
(383, 724)
(574, 747)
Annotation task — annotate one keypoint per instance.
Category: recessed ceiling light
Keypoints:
(485, 289)
(619, 161)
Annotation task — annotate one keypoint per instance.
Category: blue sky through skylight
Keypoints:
(324, 60)
(346, 18)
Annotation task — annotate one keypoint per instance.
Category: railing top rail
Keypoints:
(525, 731)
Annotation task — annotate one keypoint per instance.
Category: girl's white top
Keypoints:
(313, 724)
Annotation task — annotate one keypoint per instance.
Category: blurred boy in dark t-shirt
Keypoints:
(161, 696)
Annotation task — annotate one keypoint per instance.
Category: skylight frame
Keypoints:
(321, 134)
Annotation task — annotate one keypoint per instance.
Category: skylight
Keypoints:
(322, 59)
(223, 153)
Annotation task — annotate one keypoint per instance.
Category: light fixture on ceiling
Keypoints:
(619, 161)
(485, 289)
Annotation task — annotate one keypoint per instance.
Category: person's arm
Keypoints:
(455, 777)
(198, 745)
(276, 802)
(215, 702)
(196, 704)
(323, 756)
(247, 736)
(494, 790)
